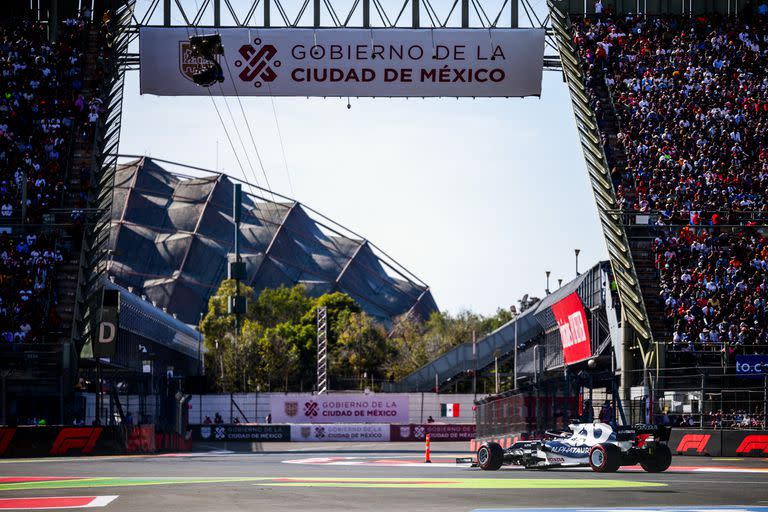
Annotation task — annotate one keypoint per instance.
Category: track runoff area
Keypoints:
(370, 477)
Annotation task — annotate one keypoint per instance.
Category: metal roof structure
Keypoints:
(171, 235)
(532, 324)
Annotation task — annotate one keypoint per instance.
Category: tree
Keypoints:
(279, 352)
(362, 346)
(281, 305)
(225, 360)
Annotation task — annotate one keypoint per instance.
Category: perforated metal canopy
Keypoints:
(172, 233)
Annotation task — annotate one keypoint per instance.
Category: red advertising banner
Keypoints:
(574, 333)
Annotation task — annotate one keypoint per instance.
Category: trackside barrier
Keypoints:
(305, 432)
(712, 443)
(57, 440)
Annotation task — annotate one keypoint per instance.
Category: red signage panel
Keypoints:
(574, 331)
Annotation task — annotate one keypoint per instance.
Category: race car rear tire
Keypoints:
(605, 458)
(660, 461)
(490, 456)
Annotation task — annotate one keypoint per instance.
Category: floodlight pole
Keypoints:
(236, 304)
(517, 318)
(236, 209)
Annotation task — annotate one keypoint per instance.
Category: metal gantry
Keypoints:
(322, 350)
(418, 14)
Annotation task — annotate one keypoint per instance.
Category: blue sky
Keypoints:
(476, 197)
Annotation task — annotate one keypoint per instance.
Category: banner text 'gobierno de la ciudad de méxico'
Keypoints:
(348, 62)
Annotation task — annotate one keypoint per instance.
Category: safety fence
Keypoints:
(706, 408)
(523, 413)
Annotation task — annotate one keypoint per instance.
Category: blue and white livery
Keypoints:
(597, 445)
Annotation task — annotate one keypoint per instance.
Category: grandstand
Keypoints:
(59, 124)
(172, 234)
(681, 122)
(670, 104)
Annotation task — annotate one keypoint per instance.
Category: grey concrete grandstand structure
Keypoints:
(172, 234)
(683, 369)
(533, 327)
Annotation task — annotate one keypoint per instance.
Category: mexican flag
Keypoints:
(449, 410)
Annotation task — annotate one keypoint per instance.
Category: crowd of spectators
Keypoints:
(27, 264)
(690, 148)
(714, 287)
(42, 106)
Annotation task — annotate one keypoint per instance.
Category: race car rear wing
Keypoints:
(659, 432)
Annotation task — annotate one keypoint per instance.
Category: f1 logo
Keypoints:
(256, 63)
(83, 439)
(753, 443)
(696, 442)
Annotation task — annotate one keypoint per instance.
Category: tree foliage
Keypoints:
(275, 347)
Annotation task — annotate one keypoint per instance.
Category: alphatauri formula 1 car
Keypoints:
(598, 445)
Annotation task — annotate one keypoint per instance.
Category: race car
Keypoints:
(597, 445)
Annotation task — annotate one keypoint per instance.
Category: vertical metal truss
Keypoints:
(602, 187)
(93, 255)
(322, 350)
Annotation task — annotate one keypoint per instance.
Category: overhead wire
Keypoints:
(253, 143)
(229, 138)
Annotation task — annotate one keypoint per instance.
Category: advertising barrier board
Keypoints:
(755, 366)
(36, 441)
(338, 432)
(339, 408)
(745, 443)
(257, 433)
(348, 62)
(695, 442)
(416, 432)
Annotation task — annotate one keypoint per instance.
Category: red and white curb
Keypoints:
(55, 502)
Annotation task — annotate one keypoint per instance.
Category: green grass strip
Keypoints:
(464, 483)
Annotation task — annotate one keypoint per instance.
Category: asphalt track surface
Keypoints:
(387, 477)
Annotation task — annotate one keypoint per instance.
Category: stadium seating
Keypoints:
(682, 105)
(42, 112)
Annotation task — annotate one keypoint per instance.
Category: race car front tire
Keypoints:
(605, 458)
(659, 461)
(490, 456)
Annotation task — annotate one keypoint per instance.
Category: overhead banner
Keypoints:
(339, 408)
(574, 332)
(348, 62)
